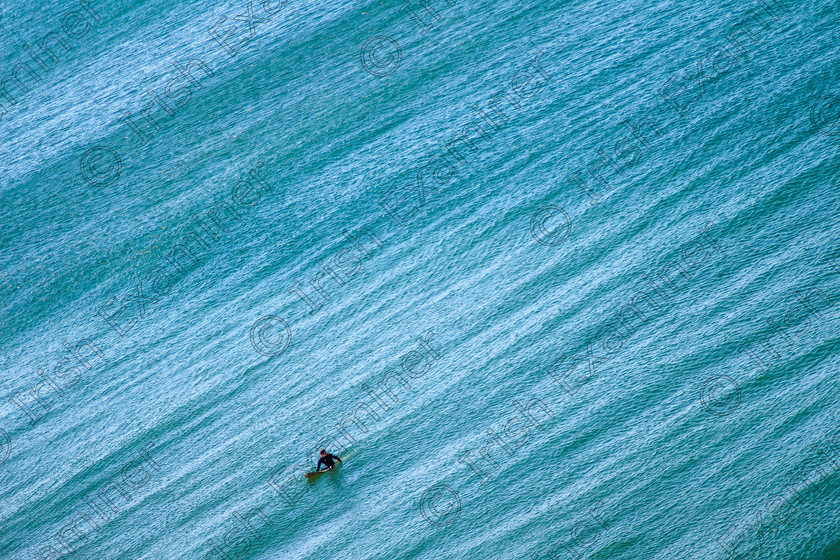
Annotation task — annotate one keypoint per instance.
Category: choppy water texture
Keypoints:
(558, 279)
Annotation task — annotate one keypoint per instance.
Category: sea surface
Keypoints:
(555, 279)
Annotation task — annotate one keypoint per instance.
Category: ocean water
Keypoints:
(556, 279)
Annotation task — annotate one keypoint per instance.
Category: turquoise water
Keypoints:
(557, 280)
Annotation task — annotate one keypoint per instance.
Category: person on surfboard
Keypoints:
(327, 459)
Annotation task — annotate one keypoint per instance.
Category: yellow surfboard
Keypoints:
(312, 475)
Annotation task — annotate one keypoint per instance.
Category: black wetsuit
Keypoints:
(327, 461)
